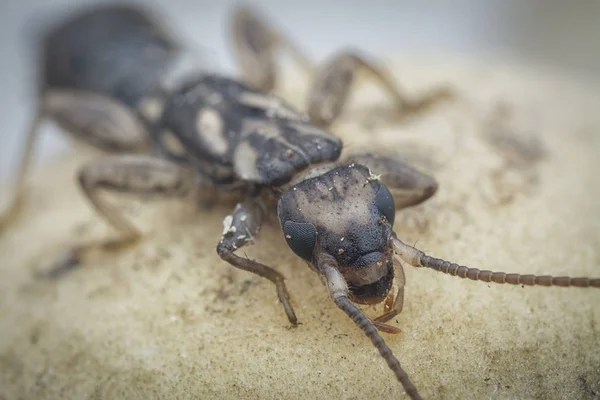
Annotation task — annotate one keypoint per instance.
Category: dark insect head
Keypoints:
(346, 216)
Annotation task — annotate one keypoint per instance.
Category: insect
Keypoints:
(210, 133)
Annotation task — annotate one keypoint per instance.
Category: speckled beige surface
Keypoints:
(168, 319)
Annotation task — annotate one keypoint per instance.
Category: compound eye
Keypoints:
(384, 201)
(301, 237)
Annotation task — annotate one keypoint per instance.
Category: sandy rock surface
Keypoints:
(516, 156)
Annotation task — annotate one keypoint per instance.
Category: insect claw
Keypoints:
(293, 326)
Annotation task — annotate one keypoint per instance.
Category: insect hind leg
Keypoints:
(97, 120)
(123, 174)
(334, 81)
(18, 196)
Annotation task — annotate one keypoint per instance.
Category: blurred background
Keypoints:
(561, 34)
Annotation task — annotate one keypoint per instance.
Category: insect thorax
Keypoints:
(233, 132)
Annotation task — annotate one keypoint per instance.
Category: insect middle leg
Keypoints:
(124, 174)
(239, 230)
(333, 82)
(97, 120)
(408, 186)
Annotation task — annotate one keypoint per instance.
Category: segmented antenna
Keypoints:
(369, 329)
(502, 277)
(417, 258)
(338, 290)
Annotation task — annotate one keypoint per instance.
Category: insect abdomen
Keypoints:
(116, 51)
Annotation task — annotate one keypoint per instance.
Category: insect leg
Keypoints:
(16, 203)
(331, 88)
(97, 120)
(238, 230)
(255, 45)
(417, 258)
(123, 174)
(338, 290)
(408, 186)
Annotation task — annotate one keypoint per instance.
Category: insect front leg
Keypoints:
(256, 46)
(123, 174)
(100, 121)
(238, 230)
(331, 87)
(407, 185)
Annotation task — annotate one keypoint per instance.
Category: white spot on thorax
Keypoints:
(209, 127)
(245, 158)
(151, 108)
(227, 225)
(171, 143)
